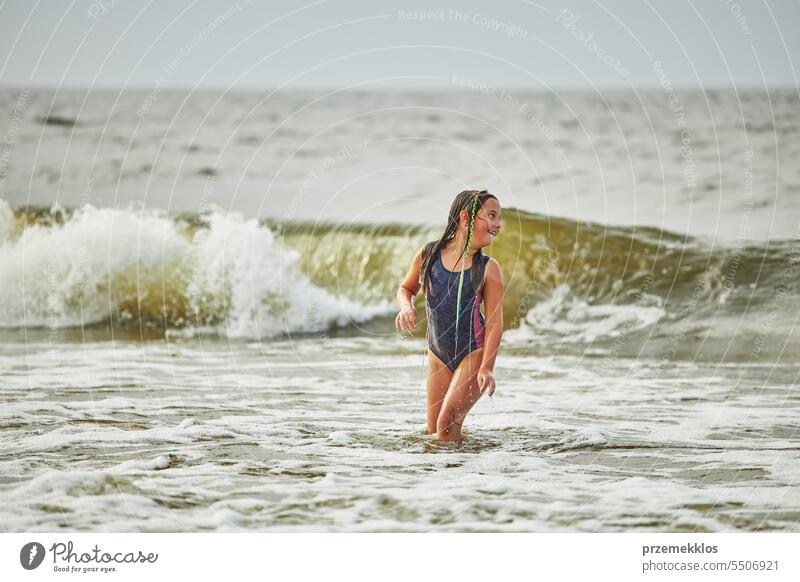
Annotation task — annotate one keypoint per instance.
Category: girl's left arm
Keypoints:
(493, 298)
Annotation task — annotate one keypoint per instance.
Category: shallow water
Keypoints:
(328, 434)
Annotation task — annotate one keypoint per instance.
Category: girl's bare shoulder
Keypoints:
(493, 269)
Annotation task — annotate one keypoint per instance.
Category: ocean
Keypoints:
(197, 304)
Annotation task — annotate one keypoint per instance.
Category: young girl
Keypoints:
(455, 277)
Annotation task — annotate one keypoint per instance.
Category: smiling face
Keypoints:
(487, 223)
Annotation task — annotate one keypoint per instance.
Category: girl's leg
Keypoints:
(439, 376)
(461, 396)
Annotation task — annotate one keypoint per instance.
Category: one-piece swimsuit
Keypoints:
(440, 307)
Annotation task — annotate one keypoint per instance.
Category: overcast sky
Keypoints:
(383, 45)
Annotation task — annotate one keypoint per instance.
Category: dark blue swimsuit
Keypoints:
(440, 307)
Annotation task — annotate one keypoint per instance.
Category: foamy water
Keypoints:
(330, 435)
(232, 278)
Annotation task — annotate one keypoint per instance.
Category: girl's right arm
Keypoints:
(407, 318)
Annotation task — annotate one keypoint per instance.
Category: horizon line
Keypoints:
(421, 89)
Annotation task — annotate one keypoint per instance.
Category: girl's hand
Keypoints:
(486, 381)
(406, 320)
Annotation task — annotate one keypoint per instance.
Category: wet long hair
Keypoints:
(464, 201)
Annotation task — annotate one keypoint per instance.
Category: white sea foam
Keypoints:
(601, 449)
(232, 278)
(570, 319)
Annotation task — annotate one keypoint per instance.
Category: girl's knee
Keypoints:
(447, 423)
(450, 433)
(441, 427)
